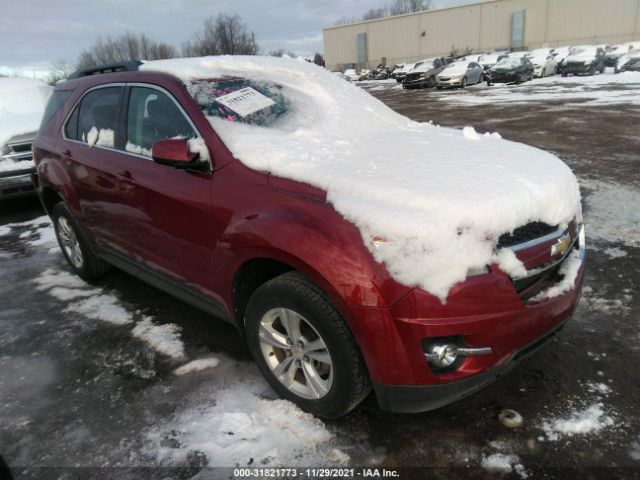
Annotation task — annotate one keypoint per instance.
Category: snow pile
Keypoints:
(197, 366)
(163, 338)
(101, 137)
(603, 301)
(439, 209)
(90, 302)
(234, 424)
(39, 228)
(590, 420)
(613, 212)
(22, 102)
(503, 463)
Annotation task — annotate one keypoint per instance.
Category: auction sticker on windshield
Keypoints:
(245, 101)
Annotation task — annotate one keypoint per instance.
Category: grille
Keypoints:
(527, 232)
(20, 147)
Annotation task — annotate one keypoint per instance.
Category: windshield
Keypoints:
(508, 62)
(239, 100)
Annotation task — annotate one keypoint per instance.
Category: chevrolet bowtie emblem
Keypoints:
(562, 245)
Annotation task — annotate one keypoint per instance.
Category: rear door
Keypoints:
(92, 134)
(170, 225)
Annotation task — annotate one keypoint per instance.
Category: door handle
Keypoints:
(126, 177)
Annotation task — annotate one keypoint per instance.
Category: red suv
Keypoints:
(140, 169)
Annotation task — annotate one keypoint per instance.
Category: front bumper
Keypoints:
(484, 311)
(504, 77)
(450, 82)
(578, 68)
(422, 398)
(16, 184)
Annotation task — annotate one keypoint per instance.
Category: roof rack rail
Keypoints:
(129, 66)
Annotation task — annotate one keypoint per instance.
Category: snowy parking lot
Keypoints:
(118, 375)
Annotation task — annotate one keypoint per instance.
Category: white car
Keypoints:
(351, 74)
(22, 106)
(460, 74)
(538, 52)
(544, 65)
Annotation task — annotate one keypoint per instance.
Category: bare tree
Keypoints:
(400, 7)
(281, 52)
(59, 70)
(374, 13)
(222, 35)
(344, 21)
(123, 48)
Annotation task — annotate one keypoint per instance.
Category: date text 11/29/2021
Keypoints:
(315, 473)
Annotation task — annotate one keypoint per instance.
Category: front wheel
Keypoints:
(304, 348)
(464, 82)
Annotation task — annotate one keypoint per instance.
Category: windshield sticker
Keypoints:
(245, 101)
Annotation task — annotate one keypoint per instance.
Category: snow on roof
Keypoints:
(435, 195)
(22, 102)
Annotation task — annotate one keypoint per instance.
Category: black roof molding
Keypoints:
(129, 66)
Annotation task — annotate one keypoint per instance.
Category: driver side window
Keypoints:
(151, 116)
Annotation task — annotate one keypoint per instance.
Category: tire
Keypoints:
(74, 245)
(431, 82)
(439, 87)
(565, 74)
(344, 380)
(464, 82)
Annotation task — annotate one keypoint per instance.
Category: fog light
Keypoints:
(448, 353)
(442, 355)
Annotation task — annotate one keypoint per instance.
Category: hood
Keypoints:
(438, 197)
(582, 56)
(454, 70)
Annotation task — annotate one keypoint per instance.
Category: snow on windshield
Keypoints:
(508, 62)
(22, 102)
(435, 198)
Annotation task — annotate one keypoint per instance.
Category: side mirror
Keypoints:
(174, 153)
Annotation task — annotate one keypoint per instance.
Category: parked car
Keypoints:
(188, 175)
(396, 69)
(424, 73)
(543, 65)
(584, 60)
(629, 62)
(460, 74)
(560, 54)
(613, 54)
(402, 73)
(365, 74)
(511, 69)
(22, 104)
(351, 74)
(490, 59)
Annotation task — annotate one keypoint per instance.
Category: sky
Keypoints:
(37, 33)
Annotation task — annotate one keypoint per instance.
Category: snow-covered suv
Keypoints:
(22, 103)
(351, 246)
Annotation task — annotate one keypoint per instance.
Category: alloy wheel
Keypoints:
(296, 353)
(70, 243)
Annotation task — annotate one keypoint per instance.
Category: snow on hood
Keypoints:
(454, 68)
(22, 102)
(438, 198)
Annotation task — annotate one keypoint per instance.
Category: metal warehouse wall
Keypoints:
(481, 27)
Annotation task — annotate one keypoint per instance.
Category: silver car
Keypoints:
(16, 167)
(460, 74)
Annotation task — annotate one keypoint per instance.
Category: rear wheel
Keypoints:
(304, 348)
(74, 245)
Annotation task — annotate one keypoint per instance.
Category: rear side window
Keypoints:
(95, 119)
(151, 116)
(56, 100)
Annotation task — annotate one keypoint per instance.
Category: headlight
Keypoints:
(588, 62)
